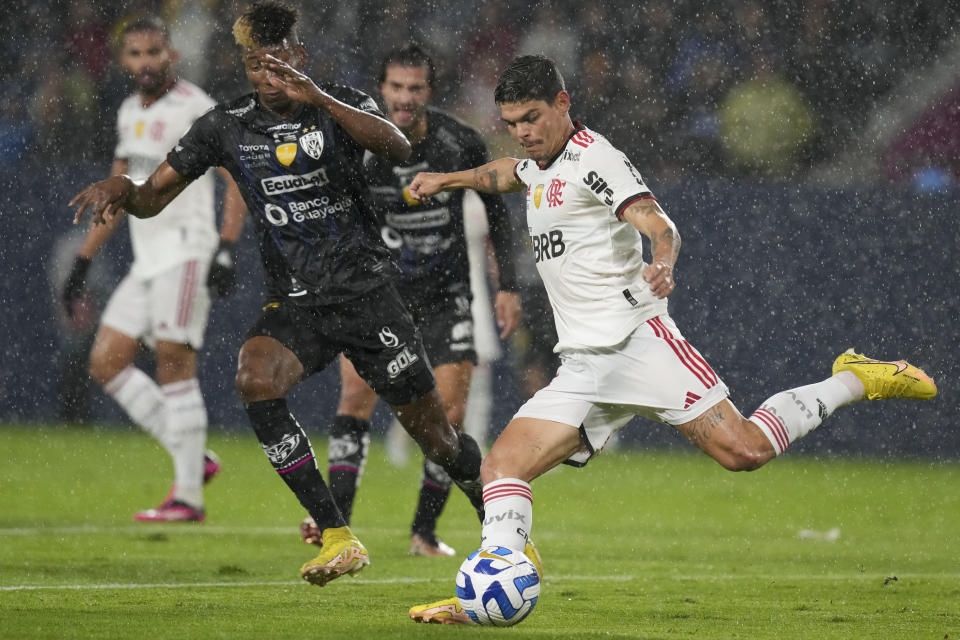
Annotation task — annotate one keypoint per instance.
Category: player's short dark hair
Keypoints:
(409, 55)
(529, 78)
(267, 24)
(146, 23)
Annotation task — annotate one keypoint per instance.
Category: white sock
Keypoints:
(143, 401)
(508, 514)
(792, 414)
(187, 427)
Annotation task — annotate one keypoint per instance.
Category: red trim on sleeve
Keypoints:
(515, 174)
(629, 201)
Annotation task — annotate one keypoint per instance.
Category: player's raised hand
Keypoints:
(425, 185)
(104, 199)
(660, 276)
(297, 85)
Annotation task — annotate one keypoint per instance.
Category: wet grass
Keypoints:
(637, 544)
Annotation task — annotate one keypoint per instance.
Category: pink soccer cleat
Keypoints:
(170, 511)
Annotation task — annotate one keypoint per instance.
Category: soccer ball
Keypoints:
(497, 586)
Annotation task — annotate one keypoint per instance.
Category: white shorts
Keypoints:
(654, 373)
(172, 306)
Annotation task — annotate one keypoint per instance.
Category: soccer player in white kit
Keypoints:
(621, 353)
(164, 300)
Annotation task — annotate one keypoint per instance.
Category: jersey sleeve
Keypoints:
(523, 170)
(200, 147)
(612, 178)
(355, 98)
(499, 222)
(120, 152)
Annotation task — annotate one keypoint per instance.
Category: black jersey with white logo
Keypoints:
(302, 180)
(427, 239)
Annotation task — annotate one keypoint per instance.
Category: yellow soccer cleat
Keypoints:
(882, 379)
(531, 552)
(341, 553)
(446, 611)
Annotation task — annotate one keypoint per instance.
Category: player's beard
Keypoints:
(153, 83)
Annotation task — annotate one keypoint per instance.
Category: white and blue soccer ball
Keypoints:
(497, 586)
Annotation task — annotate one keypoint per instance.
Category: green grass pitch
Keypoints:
(635, 545)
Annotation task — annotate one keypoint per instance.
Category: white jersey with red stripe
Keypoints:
(186, 228)
(590, 260)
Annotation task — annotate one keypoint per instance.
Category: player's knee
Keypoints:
(356, 399)
(742, 456)
(255, 383)
(101, 367)
(495, 467)
(441, 450)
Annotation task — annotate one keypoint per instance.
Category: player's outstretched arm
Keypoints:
(108, 198)
(373, 133)
(650, 220)
(493, 177)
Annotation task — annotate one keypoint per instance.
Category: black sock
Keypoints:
(465, 471)
(434, 490)
(347, 455)
(291, 455)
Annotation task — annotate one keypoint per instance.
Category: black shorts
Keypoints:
(375, 331)
(446, 323)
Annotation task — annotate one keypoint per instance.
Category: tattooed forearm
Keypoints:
(485, 179)
(657, 240)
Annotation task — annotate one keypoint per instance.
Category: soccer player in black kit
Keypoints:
(429, 243)
(295, 150)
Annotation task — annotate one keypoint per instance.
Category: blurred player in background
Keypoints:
(621, 353)
(428, 241)
(164, 300)
(296, 151)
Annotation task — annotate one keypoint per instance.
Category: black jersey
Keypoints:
(302, 180)
(428, 240)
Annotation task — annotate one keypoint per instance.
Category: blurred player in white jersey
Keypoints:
(621, 353)
(164, 300)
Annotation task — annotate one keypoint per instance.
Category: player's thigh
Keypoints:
(266, 369)
(528, 448)
(112, 352)
(357, 399)
(128, 309)
(280, 348)
(179, 303)
(175, 361)
(453, 383)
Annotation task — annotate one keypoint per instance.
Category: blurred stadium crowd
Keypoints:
(688, 88)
